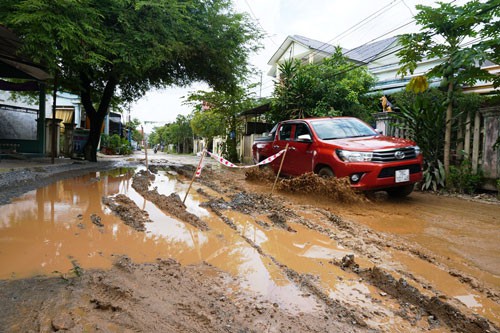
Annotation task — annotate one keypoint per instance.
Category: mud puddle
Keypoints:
(52, 231)
(462, 235)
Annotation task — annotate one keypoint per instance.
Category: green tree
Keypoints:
(207, 124)
(133, 126)
(116, 50)
(221, 118)
(178, 133)
(464, 37)
(333, 87)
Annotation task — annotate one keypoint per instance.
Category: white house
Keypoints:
(380, 57)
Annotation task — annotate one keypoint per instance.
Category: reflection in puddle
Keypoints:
(469, 301)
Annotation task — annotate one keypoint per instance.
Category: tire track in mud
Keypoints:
(172, 204)
(304, 282)
(437, 309)
(453, 315)
(371, 237)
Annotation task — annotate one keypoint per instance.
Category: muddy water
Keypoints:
(466, 234)
(49, 231)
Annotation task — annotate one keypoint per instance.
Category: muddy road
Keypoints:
(117, 251)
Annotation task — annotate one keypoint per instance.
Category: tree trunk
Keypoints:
(90, 149)
(96, 117)
(447, 133)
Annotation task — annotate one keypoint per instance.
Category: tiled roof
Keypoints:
(364, 53)
(315, 44)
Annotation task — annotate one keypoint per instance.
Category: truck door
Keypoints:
(300, 153)
(283, 137)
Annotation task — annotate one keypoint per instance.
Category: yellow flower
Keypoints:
(417, 84)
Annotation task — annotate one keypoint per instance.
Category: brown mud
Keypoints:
(314, 257)
(161, 296)
(128, 211)
(171, 204)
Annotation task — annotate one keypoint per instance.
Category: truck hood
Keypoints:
(371, 143)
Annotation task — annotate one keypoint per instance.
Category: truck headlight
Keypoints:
(417, 151)
(354, 156)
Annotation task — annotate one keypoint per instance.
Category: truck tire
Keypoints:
(326, 172)
(401, 191)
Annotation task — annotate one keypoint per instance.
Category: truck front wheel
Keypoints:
(326, 172)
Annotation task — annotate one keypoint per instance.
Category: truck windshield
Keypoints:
(341, 128)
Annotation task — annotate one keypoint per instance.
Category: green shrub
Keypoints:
(115, 144)
(462, 179)
(433, 176)
(422, 116)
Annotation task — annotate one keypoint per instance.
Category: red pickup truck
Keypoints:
(343, 147)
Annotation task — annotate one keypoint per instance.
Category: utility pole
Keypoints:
(260, 92)
(129, 134)
(53, 125)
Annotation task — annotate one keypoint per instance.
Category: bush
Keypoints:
(461, 178)
(115, 144)
(423, 118)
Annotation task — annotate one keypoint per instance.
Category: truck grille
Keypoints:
(391, 155)
(390, 172)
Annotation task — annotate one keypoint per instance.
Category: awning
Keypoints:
(12, 64)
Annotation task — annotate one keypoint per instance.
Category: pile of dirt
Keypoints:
(152, 297)
(171, 204)
(260, 174)
(337, 189)
(128, 211)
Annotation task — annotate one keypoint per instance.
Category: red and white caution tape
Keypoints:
(225, 162)
(198, 171)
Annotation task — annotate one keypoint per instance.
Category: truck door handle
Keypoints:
(292, 148)
(276, 146)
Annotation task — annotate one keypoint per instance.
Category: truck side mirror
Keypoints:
(306, 138)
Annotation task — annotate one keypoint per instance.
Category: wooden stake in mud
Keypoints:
(145, 144)
(279, 170)
(194, 175)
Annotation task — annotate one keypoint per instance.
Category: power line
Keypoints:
(395, 48)
(346, 32)
(361, 23)
(258, 22)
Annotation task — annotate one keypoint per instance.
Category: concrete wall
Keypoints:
(18, 124)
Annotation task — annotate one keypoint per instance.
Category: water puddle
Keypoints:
(465, 233)
(49, 231)
(442, 282)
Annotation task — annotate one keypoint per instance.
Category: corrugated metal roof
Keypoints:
(315, 44)
(12, 65)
